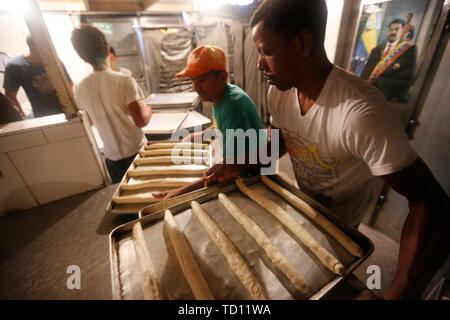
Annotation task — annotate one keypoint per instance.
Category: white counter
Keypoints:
(31, 124)
(46, 159)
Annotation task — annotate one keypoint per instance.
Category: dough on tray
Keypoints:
(134, 184)
(277, 258)
(185, 257)
(170, 159)
(326, 224)
(149, 282)
(156, 170)
(285, 218)
(175, 144)
(228, 249)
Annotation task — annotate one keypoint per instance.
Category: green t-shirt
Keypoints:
(237, 111)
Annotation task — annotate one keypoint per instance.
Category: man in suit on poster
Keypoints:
(390, 66)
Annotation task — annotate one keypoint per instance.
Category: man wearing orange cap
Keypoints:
(232, 109)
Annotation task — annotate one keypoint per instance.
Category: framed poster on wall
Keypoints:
(389, 45)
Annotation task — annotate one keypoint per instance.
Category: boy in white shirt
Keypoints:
(112, 100)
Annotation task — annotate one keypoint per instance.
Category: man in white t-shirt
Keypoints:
(113, 102)
(340, 131)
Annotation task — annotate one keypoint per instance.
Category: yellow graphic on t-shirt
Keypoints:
(309, 155)
(317, 170)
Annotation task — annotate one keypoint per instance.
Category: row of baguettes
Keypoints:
(192, 272)
(156, 170)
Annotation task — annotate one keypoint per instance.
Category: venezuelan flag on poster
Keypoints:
(365, 44)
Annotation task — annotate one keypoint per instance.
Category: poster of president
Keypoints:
(386, 51)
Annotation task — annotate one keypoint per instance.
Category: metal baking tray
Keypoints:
(116, 207)
(187, 100)
(165, 121)
(222, 281)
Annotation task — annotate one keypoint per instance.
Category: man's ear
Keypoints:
(304, 43)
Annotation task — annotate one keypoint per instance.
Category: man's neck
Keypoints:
(102, 67)
(219, 97)
(312, 83)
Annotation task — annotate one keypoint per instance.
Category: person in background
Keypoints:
(112, 100)
(113, 61)
(232, 109)
(28, 72)
(339, 132)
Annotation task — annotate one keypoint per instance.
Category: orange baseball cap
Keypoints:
(204, 59)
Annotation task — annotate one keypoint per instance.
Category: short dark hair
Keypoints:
(29, 41)
(288, 17)
(111, 49)
(398, 20)
(90, 44)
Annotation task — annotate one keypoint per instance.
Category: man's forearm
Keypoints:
(14, 100)
(424, 247)
(425, 240)
(198, 184)
(140, 112)
(196, 136)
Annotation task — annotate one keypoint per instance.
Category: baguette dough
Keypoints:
(228, 249)
(298, 203)
(169, 152)
(177, 144)
(134, 199)
(163, 141)
(324, 256)
(161, 182)
(141, 196)
(170, 159)
(277, 258)
(149, 282)
(167, 170)
(190, 269)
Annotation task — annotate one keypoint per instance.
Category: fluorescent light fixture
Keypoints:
(206, 5)
(15, 6)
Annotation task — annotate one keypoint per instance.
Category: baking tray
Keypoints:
(187, 100)
(165, 121)
(117, 203)
(222, 281)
